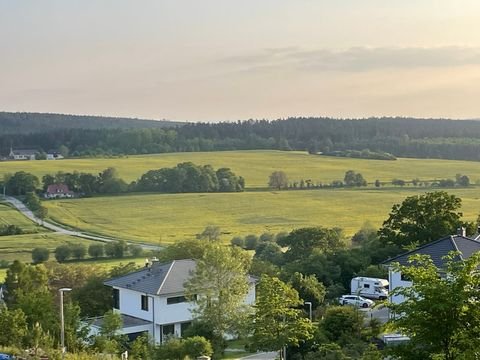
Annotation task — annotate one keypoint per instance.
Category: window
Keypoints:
(116, 299)
(176, 300)
(145, 302)
(184, 327)
(405, 277)
(366, 286)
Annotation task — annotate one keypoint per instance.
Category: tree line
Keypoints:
(382, 138)
(184, 177)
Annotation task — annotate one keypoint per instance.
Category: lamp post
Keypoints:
(309, 303)
(62, 320)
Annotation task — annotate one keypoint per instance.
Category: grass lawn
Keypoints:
(165, 218)
(256, 166)
(10, 216)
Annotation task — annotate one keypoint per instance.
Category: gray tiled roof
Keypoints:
(158, 279)
(440, 248)
(127, 321)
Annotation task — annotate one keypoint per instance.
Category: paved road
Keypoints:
(262, 356)
(20, 206)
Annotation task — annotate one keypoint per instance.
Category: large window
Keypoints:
(144, 302)
(116, 299)
(176, 300)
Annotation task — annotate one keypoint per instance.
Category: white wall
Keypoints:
(395, 279)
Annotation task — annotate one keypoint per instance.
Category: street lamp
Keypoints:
(62, 320)
(309, 303)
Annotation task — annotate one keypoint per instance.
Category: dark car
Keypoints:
(4, 356)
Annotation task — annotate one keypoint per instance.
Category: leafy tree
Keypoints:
(352, 178)
(211, 233)
(32, 201)
(142, 348)
(440, 313)
(302, 242)
(115, 249)
(238, 241)
(41, 213)
(462, 180)
(341, 323)
(277, 321)
(96, 250)
(185, 249)
(278, 180)
(14, 327)
(251, 242)
(398, 182)
(267, 237)
(269, 252)
(135, 250)
(422, 219)
(78, 251)
(40, 254)
(197, 346)
(21, 183)
(221, 284)
(63, 252)
(378, 183)
(10, 230)
(308, 288)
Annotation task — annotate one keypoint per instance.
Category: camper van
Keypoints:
(372, 288)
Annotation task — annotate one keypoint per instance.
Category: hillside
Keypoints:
(27, 123)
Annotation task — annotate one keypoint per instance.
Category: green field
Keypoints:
(19, 247)
(256, 166)
(10, 216)
(165, 218)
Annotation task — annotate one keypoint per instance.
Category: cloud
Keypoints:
(357, 59)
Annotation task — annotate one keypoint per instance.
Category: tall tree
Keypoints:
(278, 180)
(219, 286)
(421, 219)
(277, 321)
(440, 313)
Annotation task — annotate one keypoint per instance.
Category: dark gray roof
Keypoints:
(158, 279)
(25, 152)
(440, 248)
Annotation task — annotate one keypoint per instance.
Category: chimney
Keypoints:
(461, 231)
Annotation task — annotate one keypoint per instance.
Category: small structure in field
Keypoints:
(22, 154)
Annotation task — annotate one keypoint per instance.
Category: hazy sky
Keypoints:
(217, 60)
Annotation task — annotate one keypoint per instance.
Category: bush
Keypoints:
(78, 251)
(96, 250)
(115, 249)
(40, 254)
(10, 230)
(238, 241)
(251, 242)
(135, 250)
(63, 253)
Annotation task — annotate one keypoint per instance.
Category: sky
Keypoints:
(225, 60)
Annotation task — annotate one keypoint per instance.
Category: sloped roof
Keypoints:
(158, 279)
(440, 248)
(58, 189)
(25, 152)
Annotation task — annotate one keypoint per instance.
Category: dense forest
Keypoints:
(96, 136)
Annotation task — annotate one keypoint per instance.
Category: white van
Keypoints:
(369, 287)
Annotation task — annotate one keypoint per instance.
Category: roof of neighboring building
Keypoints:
(440, 248)
(24, 152)
(58, 189)
(159, 279)
(127, 321)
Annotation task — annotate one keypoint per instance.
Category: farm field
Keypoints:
(166, 218)
(19, 247)
(10, 216)
(256, 166)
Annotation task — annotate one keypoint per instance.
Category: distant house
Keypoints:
(22, 154)
(436, 250)
(152, 300)
(58, 191)
(54, 155)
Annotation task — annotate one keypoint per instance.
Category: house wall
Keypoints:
(395, 279)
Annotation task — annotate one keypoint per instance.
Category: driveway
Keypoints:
(262, 356)
(20, 206)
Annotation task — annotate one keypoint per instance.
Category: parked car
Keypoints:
(355, 300)
(4, 356)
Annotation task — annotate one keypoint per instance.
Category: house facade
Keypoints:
(22, 154)
(153, 300)
(58, 191)
(437, 250)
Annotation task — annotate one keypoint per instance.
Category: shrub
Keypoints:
(63, 252)
(78, 251)
(251, 242)
(238, 241)
(96, 250)
(40, 254)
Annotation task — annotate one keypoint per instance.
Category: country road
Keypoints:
(20, 206)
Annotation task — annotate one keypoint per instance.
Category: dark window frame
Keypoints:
(116, 298)
(144, 303)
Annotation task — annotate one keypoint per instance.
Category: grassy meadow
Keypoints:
(10, 216)
(165, 218)
(256, 166)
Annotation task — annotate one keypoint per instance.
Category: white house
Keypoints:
(153, 300)
(58, 191)
(22, 154)
(436, 250)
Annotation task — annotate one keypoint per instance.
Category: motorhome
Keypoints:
(372, 288)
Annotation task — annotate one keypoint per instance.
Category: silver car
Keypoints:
(355, 300)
